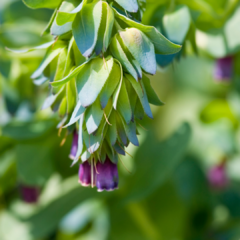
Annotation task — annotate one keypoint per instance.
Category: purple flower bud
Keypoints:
(74, 147)
(217, 177)
(223, 69)
(85, 174)
(106, 176)
(29, 194)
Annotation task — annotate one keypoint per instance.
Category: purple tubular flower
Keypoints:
(217, 177)
(106, 176)
(85, 174)
(223, 69)
(74, 147)
(29, 194)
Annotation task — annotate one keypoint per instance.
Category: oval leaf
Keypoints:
(85, 27)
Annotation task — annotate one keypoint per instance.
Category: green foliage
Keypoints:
(28, 161)
(130, 6)
(99, 80)
(161, 167)
(42, 3)
(28, 130)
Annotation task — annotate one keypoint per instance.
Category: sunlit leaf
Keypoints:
(141, 48)
(91, 81)
(119, 54)
(85, 27)
(129, 5)
(161, 44)
(93, 116)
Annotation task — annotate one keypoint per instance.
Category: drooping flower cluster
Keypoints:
(103, 175)
(96, 67)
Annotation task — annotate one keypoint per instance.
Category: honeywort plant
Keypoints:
(97, 66)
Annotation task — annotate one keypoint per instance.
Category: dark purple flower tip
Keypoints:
(217, 177)
(85, 176)
(74, 147)
(223, 69)
(29, 194)
(106, 176)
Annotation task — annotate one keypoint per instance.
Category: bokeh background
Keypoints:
(182, 183)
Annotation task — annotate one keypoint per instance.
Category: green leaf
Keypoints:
(118, 53)
(65, 17)
(50, 55)
(101, 31)
(42, 3)
(49, 25)
(141, 92)
(162, 45)
(70, 59)
(58, 30)
(51, 99)
(129, 5)
(43, 46)
(111, 84)
(163, 162)
(85, 27)
(92, 142)
(112, 129)
(80, 140)
(93, 117)
(133, 98)
(71, 75)
(109, 26)
(112, 154)
(56, 104)
(105, 29)
(141, 49)
(63, 107)
(71, 92)
(152, 96)
(123, 104)
(34, 165)
(78, 57)
(91, 81)
(85, 156)
(177, 23)
(102, 129)
(59, 73)
(138, 110)
(119, 149)
(120, 130)
(77, 113)
(130, 57)
(28, 130)
(117, 90)
(130, 130)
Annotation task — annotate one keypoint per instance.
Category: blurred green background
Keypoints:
(164, 191)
